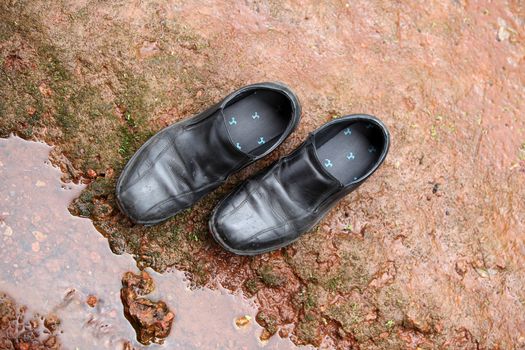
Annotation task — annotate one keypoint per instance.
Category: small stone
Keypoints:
(52, 322)
(92, 300)
(243, 321)
(109, 173)
(35, 247)
(31, 110)
(8, 231)
(503, 33)
(51, 341)
(40, 183)
(148, 50)
(34, 323)
(371, 316)
(483, 272)
(500, 264)
(416, 320)
(152, 320)
(45, 90)
(341, 332)
(91, 173)
(265, 335)
(40, 236)
(461, 268)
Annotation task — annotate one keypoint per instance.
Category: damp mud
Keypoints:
(57, 266)
(429, 253)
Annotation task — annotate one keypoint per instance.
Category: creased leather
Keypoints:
(174, 169)
(276, 206)
(179, 165)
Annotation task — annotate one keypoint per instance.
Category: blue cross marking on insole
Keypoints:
(233, 121)
(350, 156)
(238, 145)
(261, 141)
(348, 131)
(328, 163)
(372, 149)
(256, 116)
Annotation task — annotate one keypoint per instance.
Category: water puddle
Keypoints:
(53, 262)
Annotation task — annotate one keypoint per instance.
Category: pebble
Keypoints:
(8, 231)
(35, 247)
(109, 173)
(503, 33)
(40, 236)
(45, 90)
(265, 335)
(243, 321)
(92, 300)
(31, 110)
(91, 173)
(40, 184)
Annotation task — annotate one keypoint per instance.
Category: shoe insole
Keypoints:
(256, 121)
(350, 152)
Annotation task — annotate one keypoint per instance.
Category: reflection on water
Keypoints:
(52, 262)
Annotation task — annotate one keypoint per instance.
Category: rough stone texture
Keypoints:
(428, 253)
(152, 320)
(21, 331)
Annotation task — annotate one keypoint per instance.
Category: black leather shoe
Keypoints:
(275, 207)
(187, 160)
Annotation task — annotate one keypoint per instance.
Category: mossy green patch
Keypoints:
(267, 321)
(307, 298)
(251, 286)
(308, 328)
(269, 277)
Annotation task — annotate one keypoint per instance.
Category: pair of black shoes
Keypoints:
(187, 160)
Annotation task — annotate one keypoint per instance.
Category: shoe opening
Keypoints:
(351, 149)
(257, 119)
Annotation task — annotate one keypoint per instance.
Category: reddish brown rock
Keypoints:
(19, 329)
(45, 90)
(92, 300)
(109, 173)
(52, 322)
(243, 321)
(31, 110)
(152, 320)
(91, 173)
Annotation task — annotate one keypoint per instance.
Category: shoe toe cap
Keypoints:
(138, 201)
(245, 225)
(144, 196)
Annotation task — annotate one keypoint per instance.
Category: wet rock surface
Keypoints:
(428, 253)
(152, 320)
(74, 279)
(22, 331)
